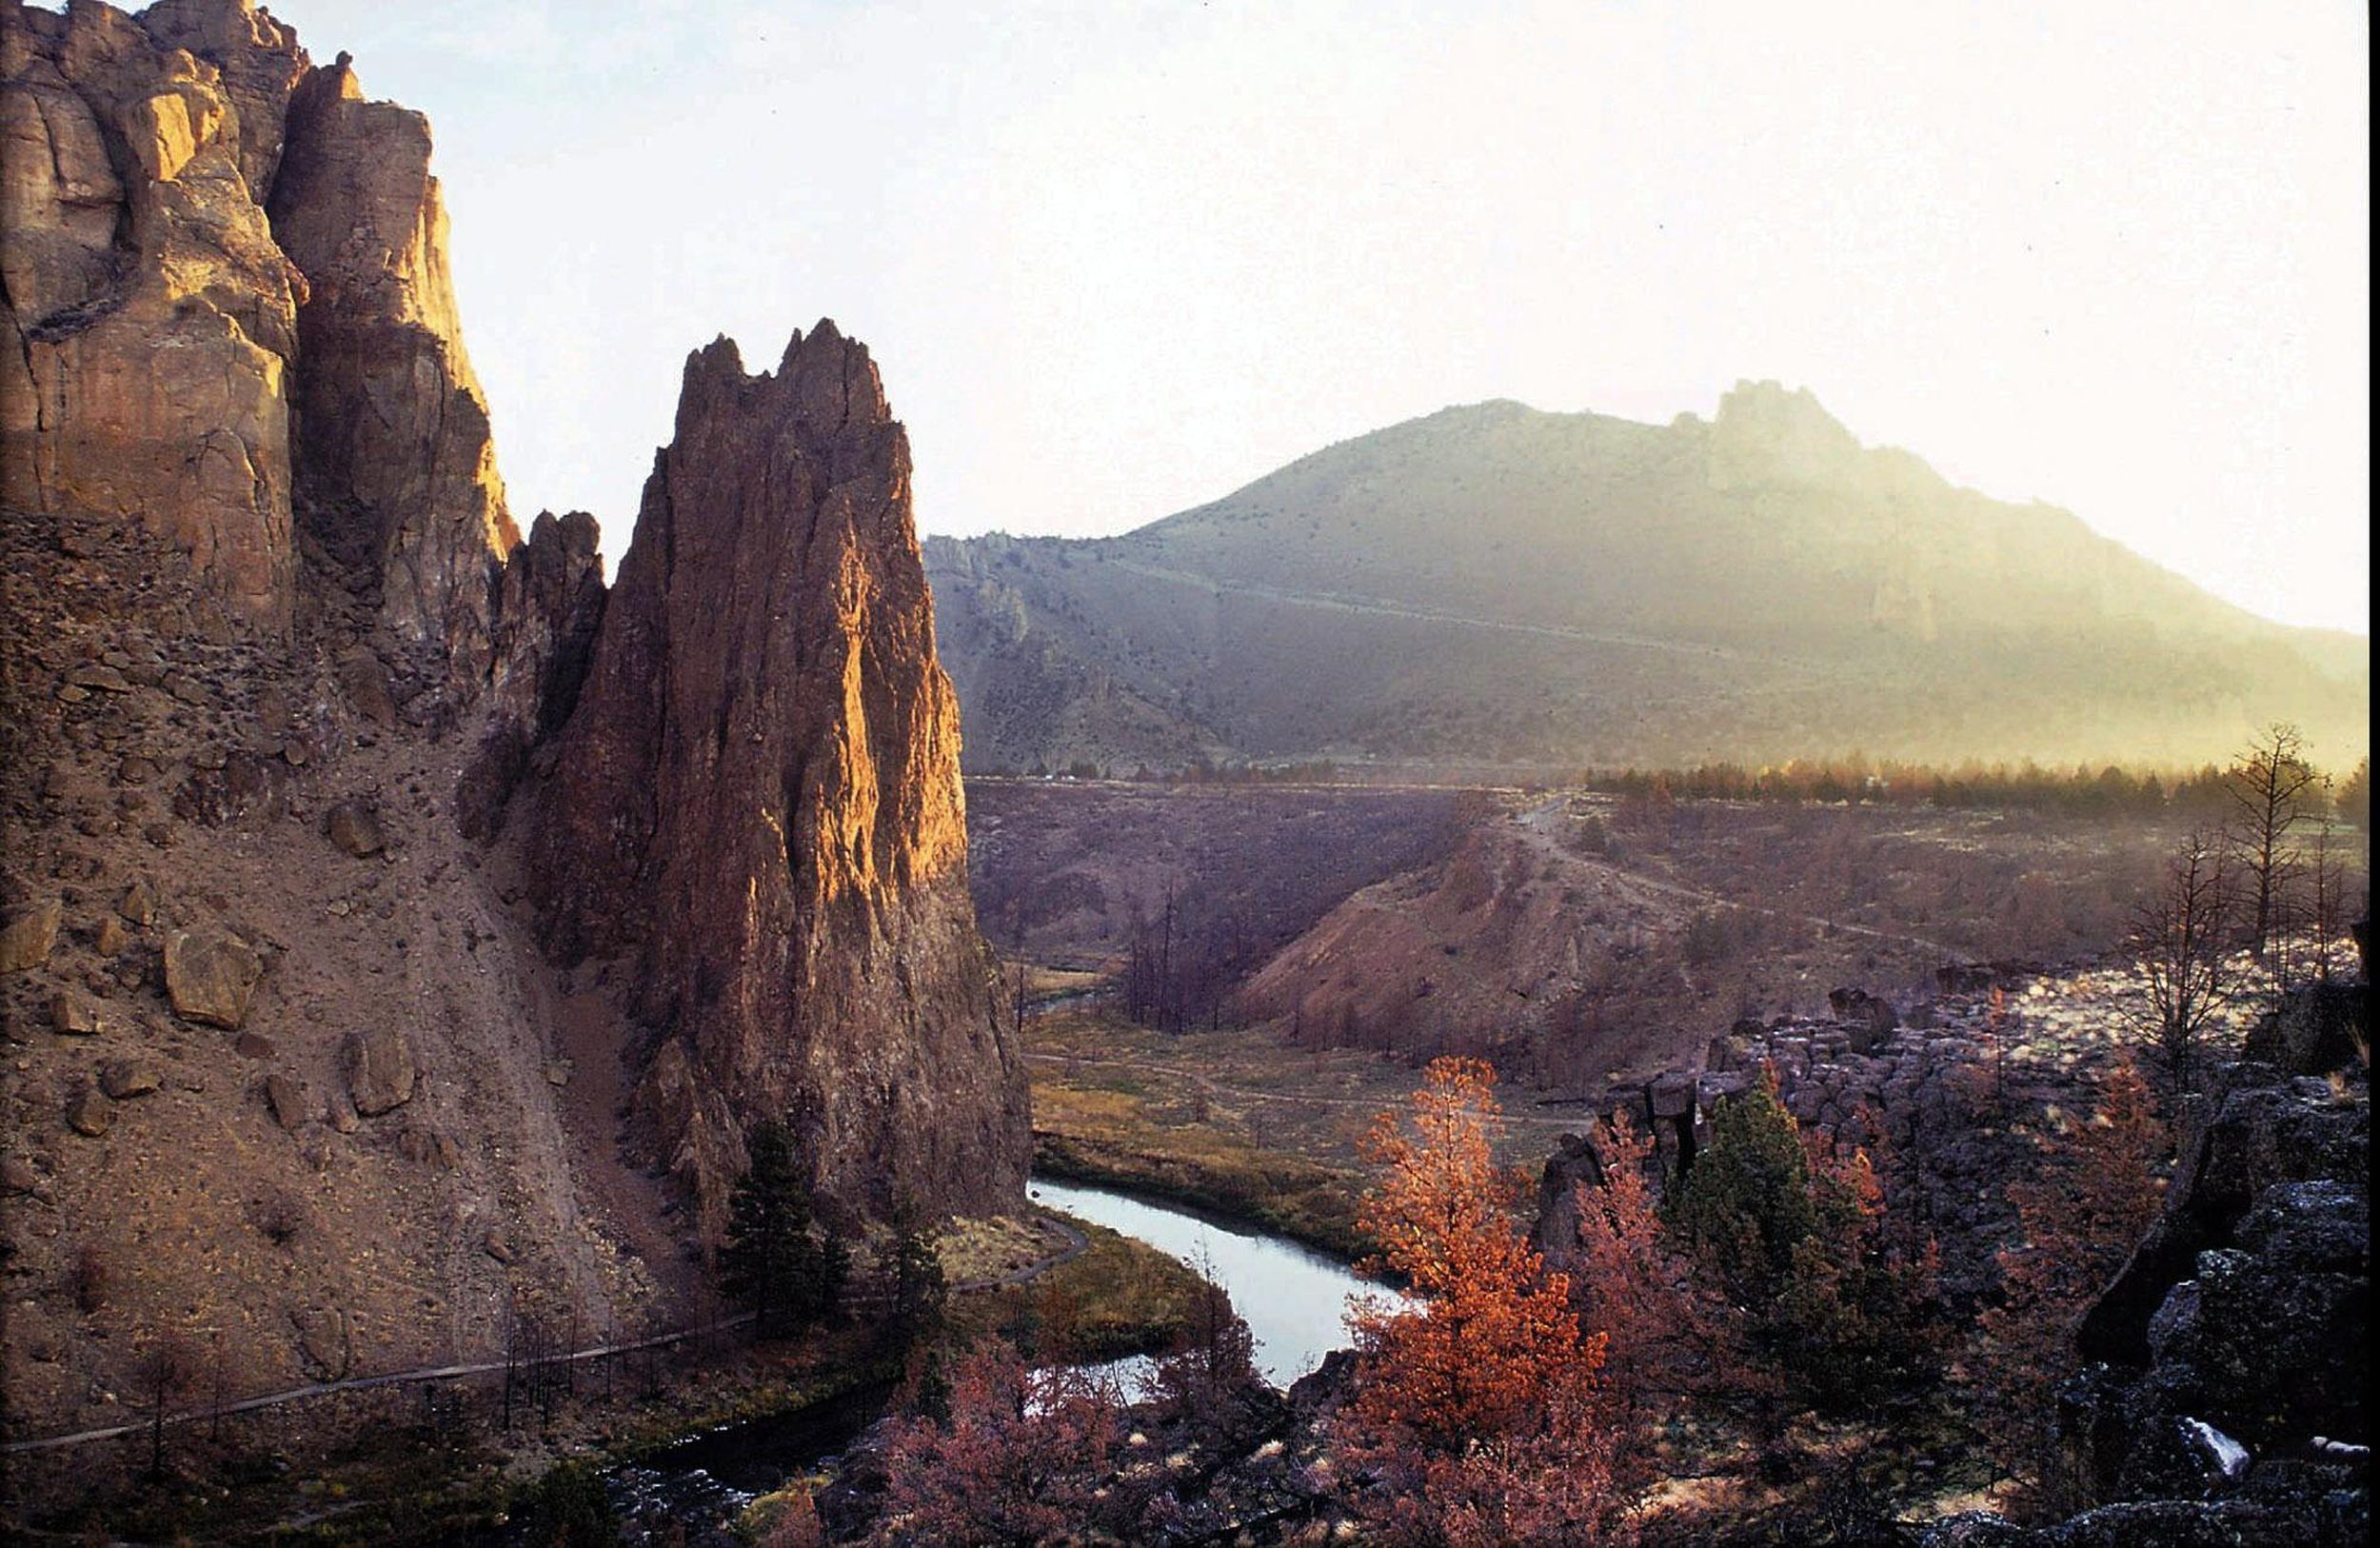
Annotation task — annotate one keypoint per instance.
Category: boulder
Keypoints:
(27, 932)
(88, 1114)
(1868, 1020)
(427, 1147)
(325, 1347)
(73, 1015)
(210, 976)
(1573, 1164)
(2317, 1029)
(124, 1079)
(288, 1099)
(352, 828)
(380, 1071)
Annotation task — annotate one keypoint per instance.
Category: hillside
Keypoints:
(1496, 584)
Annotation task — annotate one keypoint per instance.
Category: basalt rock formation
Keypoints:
(759, 797)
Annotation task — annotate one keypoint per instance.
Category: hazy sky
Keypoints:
(1115, 261)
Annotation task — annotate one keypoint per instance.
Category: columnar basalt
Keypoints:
(758, 798)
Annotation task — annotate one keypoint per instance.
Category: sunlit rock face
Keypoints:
(230, 317)
(758, 801)
(151, 317)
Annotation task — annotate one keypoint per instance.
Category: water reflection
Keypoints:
(1294, 1299)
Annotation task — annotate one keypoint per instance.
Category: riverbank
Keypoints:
(1232, 1124)
(1281, 1195)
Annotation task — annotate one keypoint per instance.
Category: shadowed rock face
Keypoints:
(759, 796)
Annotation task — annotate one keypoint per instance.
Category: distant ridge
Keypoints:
(1491, 584)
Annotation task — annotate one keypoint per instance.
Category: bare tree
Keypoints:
(168, 1364)
(2268, 786)
(2328, 909)
(2180, 937)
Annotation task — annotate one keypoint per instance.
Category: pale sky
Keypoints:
(1115, 261)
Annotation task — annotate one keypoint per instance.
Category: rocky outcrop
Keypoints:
(758, 796)
(549, 606)
(395, 452)
(2227, 1406)
(151, 317)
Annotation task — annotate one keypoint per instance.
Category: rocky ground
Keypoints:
(283, 1073)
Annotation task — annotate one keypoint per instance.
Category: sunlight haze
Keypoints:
(1117, 261)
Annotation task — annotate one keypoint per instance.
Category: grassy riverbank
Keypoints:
(1282, 1193)
(1118, 1298)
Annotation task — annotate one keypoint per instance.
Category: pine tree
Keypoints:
(1795, 1235)
(920, 1291)
(774, 1261)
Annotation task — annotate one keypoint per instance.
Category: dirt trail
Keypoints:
(1538, 823)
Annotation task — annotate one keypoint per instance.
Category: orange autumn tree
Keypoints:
(2078, 1220)
(1477, 1416)
(1666, 1335)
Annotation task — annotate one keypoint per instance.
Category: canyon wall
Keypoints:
(306, 755)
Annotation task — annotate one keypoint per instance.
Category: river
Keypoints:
(1293, 1298)
(1294, 1301)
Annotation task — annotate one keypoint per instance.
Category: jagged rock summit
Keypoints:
(759, 797)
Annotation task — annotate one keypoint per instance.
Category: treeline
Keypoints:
(2110, 789)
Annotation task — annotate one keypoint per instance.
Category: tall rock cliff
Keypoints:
(229, 315)
(150, 318)
(286, 1059)
(395, 459)
(759, 797)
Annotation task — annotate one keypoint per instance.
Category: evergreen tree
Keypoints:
(1798, 1237)
(774, 1261)
(920, 1291)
